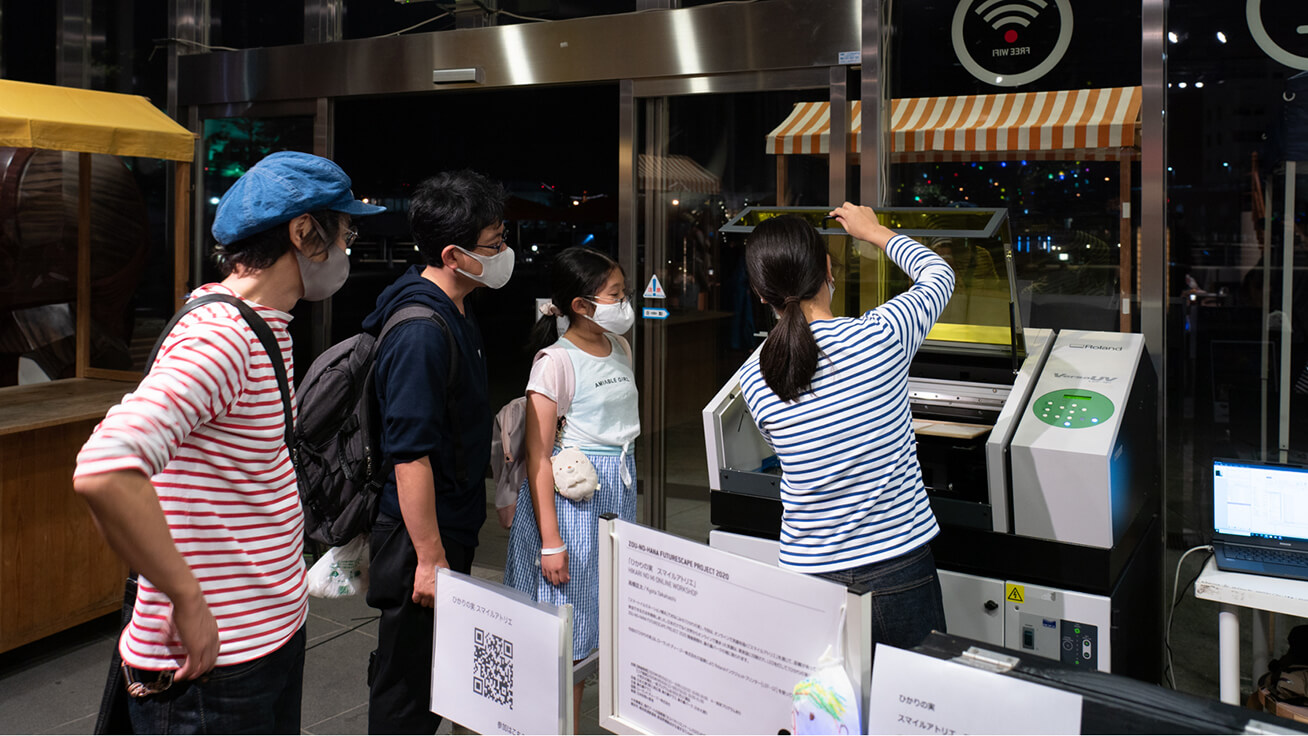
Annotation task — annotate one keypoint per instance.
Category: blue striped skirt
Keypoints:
(579, 526)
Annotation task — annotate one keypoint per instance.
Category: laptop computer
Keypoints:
(1260, 518)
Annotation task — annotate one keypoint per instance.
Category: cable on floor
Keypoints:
(1174, 601)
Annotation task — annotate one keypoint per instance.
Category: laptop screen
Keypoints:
(1260, 500)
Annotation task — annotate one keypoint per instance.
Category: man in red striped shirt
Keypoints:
(191, 482)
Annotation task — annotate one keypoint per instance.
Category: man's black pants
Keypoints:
(399, 671)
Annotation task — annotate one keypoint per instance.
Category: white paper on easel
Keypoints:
(916, 693)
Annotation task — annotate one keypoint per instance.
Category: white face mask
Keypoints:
(323, 278)
(495, 270)
(615, 318)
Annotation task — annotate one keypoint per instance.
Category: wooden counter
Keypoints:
(56, 571)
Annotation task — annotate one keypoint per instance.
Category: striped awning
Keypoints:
(808, 128)
(676, 173)
(1068, 122)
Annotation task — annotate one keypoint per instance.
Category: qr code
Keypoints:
(492, 667)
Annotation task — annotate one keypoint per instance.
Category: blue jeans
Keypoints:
(906, 600)
(261, 696)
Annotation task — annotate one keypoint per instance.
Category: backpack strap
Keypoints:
(626, 348)
(563, 372)
(266, 339)
(565, 377)
(409, 313)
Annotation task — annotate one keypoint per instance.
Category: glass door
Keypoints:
(700, 159)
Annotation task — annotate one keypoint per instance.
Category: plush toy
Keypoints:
(574, 476)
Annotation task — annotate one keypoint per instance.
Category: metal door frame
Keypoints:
(647, 99)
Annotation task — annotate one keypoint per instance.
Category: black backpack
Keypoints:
(338, 459)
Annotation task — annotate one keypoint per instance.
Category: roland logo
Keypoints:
(1079, 377)
(1088, 346)
(1284, 544)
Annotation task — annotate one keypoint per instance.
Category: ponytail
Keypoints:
(576, 272)
(544, 333)
(786, 261)
(790, 356)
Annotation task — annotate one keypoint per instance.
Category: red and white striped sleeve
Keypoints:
(197, 376)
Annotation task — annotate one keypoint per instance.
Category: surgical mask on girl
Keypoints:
(616, 318)
(323, 278)
(495, 270)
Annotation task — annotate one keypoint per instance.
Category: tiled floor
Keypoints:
(54, 685)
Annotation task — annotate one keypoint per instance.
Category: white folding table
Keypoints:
(1264, 595)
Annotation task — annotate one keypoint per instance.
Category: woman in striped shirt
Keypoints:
(830, 395)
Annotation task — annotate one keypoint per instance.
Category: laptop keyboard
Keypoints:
(1274, 556)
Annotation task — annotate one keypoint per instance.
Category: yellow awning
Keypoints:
(1084, 123)
(89, 121)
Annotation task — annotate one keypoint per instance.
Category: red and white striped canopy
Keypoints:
(676, 173)
(1070, 122)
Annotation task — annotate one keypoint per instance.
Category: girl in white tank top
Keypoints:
(553, 541)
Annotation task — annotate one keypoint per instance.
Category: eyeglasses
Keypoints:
(497, 247)
(622, 297)
(138, 689)
(350, 234)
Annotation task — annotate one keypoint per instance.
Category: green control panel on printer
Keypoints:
(1073, 408)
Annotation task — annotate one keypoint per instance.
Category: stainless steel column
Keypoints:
(1153, 185)
(188, 25)
(871, 159)
(1287, 294)
(838, 137)
(322, 20)
(654, 341)
(73, 44)
(1153, 236)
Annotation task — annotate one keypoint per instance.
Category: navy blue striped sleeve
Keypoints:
(912, 314)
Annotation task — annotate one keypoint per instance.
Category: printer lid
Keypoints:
(981, 317)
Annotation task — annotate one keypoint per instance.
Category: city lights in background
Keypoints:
(1171, 36)
(1221, 37)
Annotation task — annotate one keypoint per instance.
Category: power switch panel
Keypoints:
(1080, 644)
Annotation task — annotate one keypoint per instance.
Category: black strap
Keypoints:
(418, 311)
(266, 338)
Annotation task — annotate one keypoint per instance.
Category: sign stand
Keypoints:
(697, 639)
(501, 662)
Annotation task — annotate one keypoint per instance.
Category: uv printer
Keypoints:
(1038, 452)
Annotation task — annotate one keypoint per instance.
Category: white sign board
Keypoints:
(916, 693)
(704, 641)
(501, 663)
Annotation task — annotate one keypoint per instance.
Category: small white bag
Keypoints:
(575, 477)
(341, 571)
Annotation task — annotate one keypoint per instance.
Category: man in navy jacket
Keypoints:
(430, 512)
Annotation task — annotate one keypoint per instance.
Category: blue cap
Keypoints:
(280, 188)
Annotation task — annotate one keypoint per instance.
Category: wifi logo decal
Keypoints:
(1010, 13)
(1009, 43)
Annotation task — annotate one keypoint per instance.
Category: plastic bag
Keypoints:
(825, 702)
(341, 571)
